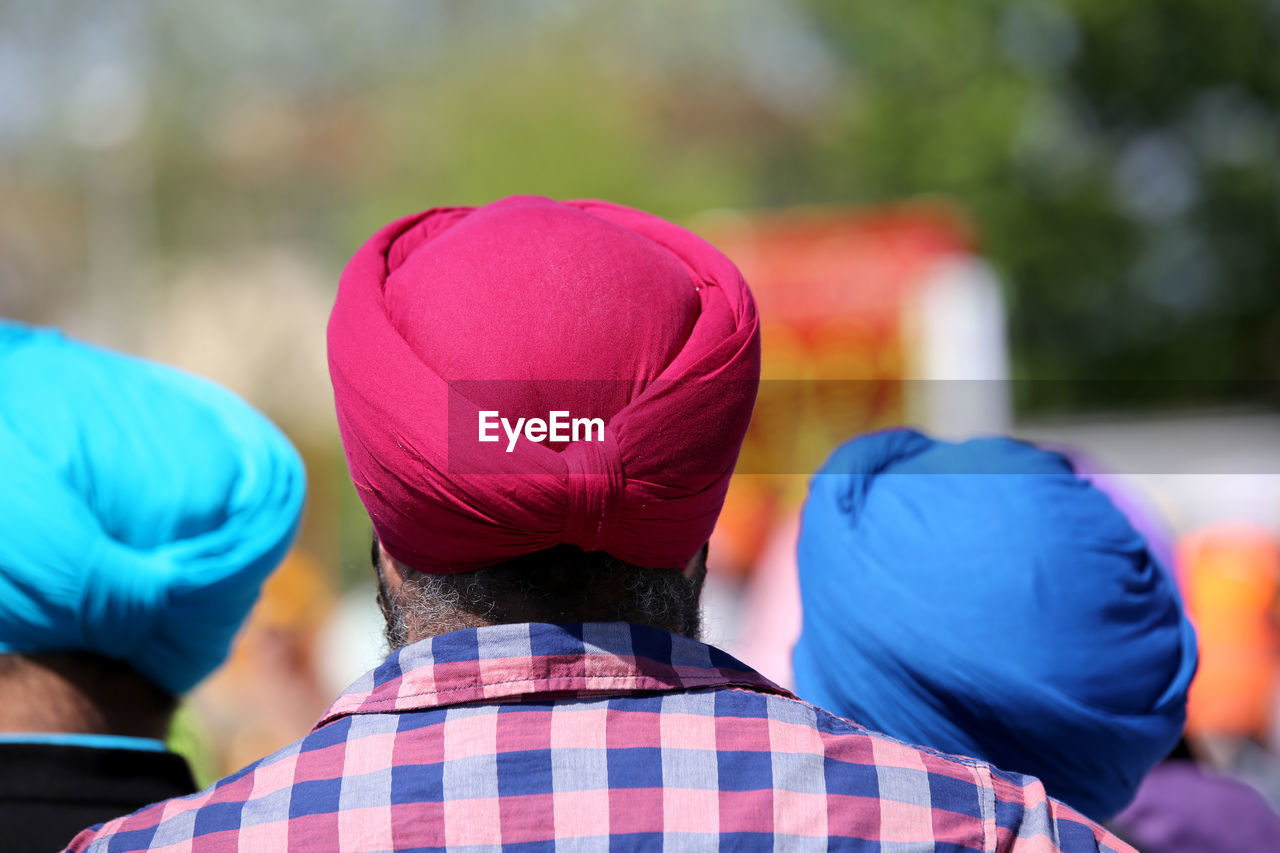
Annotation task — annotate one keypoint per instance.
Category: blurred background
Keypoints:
(1059, 218)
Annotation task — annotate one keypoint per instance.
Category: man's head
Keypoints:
(505, 318)
(983, 599)
(140, 510)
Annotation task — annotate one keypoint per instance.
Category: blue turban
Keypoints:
(141, 508)
(982, 599)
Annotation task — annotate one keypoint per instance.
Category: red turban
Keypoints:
(524, 307)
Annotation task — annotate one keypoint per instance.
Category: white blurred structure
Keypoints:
(962, 351)
(1200, 468)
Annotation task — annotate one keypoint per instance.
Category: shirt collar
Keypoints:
(511, 662)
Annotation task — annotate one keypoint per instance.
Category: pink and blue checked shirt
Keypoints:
(603, 736)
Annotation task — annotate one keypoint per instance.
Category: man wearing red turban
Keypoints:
(541, 405)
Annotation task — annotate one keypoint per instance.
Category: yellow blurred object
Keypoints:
(744, 523)
(1231, 580)
(298, 595)
(268, 694)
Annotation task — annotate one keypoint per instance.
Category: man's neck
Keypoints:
(40, 694)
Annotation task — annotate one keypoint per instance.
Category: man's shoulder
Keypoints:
(733, 762)
(260, 792)
(926, 796)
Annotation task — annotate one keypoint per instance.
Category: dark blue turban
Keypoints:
(982, 599)
(140, 507)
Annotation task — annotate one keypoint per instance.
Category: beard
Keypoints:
(395, 631)
(423, 606)
(427, 605)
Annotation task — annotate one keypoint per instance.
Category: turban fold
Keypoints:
(982, 599)
(140, 507)
(524, 307)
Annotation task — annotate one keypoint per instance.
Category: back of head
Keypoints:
(142, 507)
(517, 310)
(560, 584)
(982, 599)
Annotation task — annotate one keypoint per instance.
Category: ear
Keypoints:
(697, 564)
(389, 568)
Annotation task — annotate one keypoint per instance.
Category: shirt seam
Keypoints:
(536, 682)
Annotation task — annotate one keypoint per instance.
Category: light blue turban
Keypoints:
(982, 599)
(141, 508)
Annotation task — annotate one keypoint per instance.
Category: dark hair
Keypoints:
(559, 584)
(100, 693)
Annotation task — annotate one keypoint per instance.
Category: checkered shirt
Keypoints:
(601, 736)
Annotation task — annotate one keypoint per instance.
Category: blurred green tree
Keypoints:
(1120, 161)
